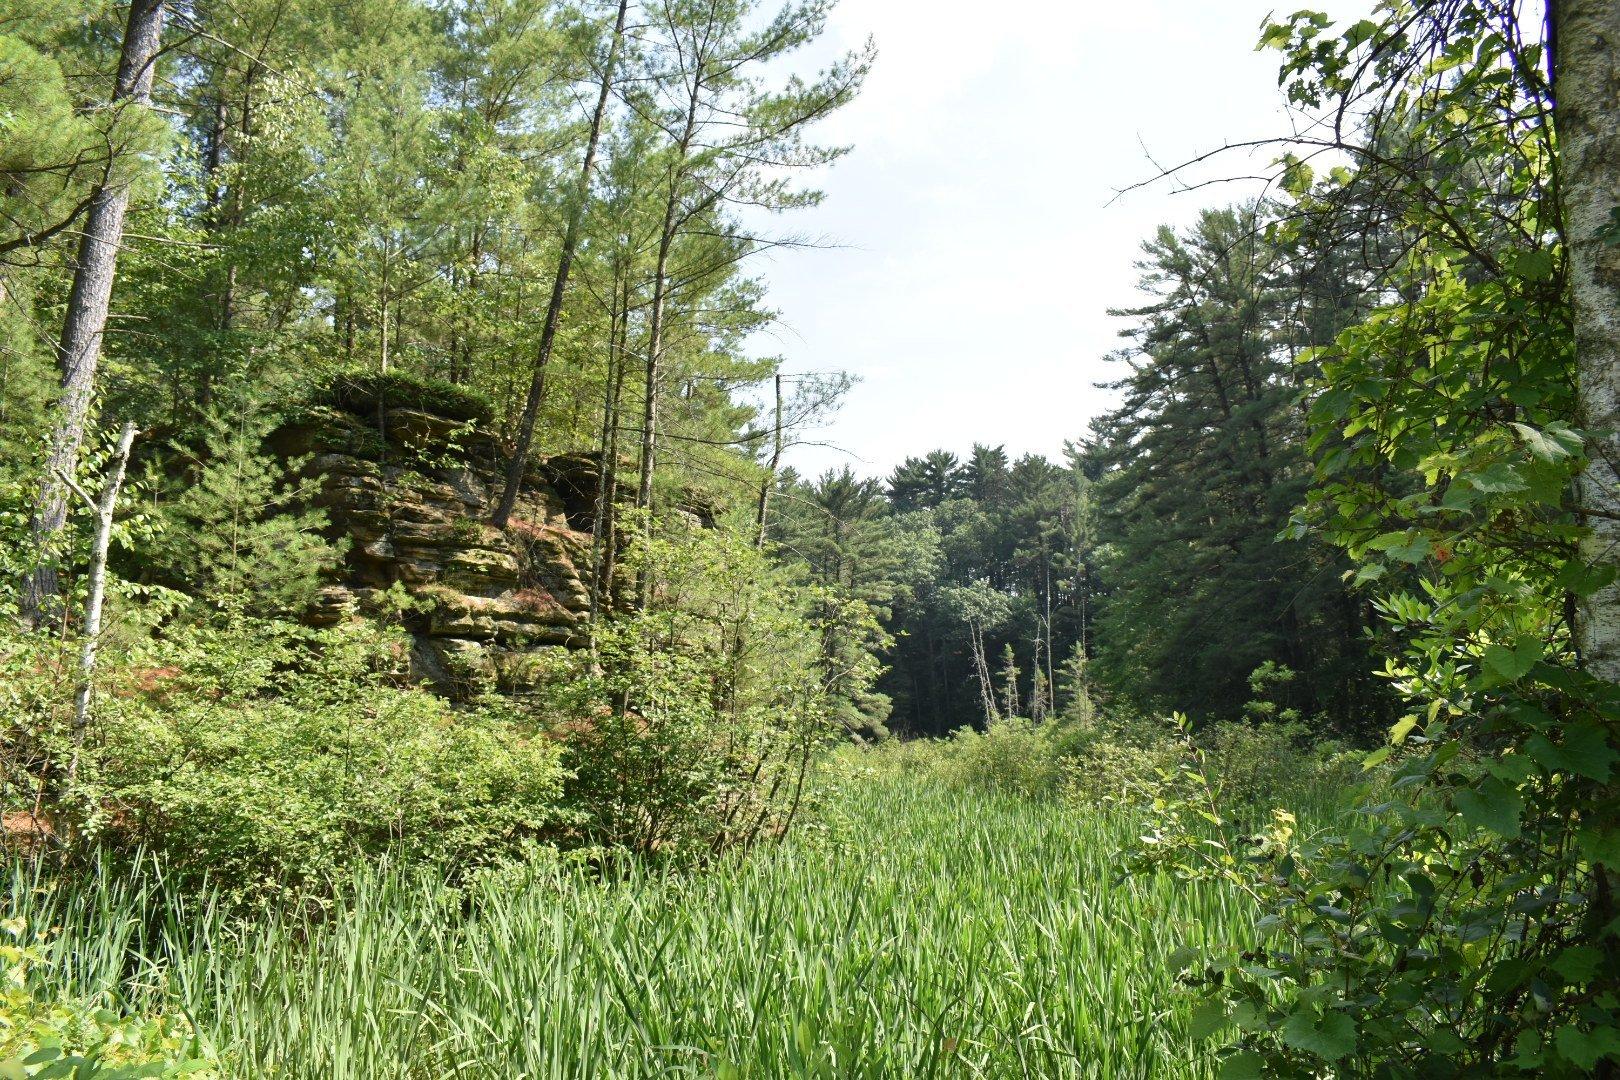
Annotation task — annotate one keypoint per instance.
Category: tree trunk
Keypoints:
(98, 589)
(766, 484)
(655, 331)
(607, 475)
(559, 285)
(1588, 119)
(1586, 40)
(80, 349)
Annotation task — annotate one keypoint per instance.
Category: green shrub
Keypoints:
(362, 391)
(691, 725)
(1119, 760)
(270, 757)
(1012, 755)
(43, 1033)
(1257, 767)
(1124, 760)
(235, 529)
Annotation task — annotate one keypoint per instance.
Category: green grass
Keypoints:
(936, 933)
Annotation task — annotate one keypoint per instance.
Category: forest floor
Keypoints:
(909, 931)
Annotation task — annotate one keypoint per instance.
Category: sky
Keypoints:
(979, 242)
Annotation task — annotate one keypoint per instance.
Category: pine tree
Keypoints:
(926, 482)
(240, 535)
(1010, 704)
(1204, 463)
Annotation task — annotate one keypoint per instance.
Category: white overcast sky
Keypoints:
(979, 250)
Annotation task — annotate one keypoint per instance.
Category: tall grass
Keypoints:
(943, 934)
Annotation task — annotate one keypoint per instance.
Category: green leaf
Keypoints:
(1276, 36)
(1583, 579)
(1532, 265)
(1360, 32)
(1181, 958)
(1333, 404)
(1554, 443)
(1208, 1017)
(1402, 728)
(1585, 751)
(1243, 1065)
(1497, 478)
(1491, 805)
(1528, 1048)
(1609, 231)
(1600, 845)
(1578, 964)
(1369, 572)
(1331, 1037)
(1584, 1048)
(1515, 663)
(1407, 547)
(1460, 497)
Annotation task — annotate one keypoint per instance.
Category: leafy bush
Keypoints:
(274, 758)
(1116, 761)
(42, 1034)
(362, 391)
(691, 725)
(1257, 767)
(1125, 760)
(1012, 755)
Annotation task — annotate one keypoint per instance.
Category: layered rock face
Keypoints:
(412, 493)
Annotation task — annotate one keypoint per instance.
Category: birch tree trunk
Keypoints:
(98, 589)
(80, 349)
(559, 285)
(1587, 59)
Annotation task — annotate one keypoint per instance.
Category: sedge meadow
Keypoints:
(922, 932)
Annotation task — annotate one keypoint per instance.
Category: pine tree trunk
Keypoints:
(763, 508)
(655, 348)
(655, 332)
(1588, 118)
(559, 285)
(603, 539)
(86, 321)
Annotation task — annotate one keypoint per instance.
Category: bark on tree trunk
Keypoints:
(655, 330)
(80, 349)
(766, 484)
(655, 346)
(607, 477)
(559, 286)
(98, 589)
(1588, 118)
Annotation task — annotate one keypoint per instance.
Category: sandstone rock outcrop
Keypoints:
(412, 494)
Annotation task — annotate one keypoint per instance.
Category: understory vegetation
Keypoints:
(418, 656)
(913, 929)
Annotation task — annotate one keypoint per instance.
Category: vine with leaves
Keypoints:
(1462, 920)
